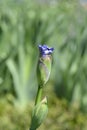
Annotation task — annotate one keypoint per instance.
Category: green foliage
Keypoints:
(70, 56)
(62, 26)
(18, 53)
(24, 25)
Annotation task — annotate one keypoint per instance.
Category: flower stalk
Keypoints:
(39, 95)
(43, 72)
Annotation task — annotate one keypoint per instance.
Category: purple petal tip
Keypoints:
(45, 50)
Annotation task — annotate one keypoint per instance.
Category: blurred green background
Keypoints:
(59, 24)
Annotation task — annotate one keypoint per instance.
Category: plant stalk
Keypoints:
(39, 95)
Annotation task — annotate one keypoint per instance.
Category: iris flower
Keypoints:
(44, 64)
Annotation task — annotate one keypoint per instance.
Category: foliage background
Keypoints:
(24, 25)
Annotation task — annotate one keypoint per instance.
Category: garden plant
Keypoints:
(24, 24)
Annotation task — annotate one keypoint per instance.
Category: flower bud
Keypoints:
(44, 64)
(39, 114)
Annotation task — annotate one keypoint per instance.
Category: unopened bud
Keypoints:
(39, 114)
(44, 64)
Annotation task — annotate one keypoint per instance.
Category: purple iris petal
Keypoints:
(45, 50)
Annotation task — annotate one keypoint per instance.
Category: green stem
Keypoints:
(39, 95)
(38, 98)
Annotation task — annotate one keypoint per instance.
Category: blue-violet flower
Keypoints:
(45, 50)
